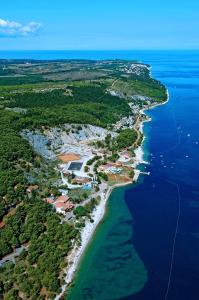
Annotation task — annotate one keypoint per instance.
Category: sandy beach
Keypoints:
(98, 214)
(86, 234)
(89, 229)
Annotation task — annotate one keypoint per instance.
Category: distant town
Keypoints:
(71, 131)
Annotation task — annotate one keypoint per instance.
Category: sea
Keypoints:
(147, 246)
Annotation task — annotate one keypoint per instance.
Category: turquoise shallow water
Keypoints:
(130, 255)
(111, 268)
(172, 141)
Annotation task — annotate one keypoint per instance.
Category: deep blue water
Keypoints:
(173, 146)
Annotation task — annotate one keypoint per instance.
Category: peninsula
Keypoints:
(71, 131)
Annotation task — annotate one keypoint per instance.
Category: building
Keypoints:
(125, 157)
(62, 207)
(81, 180)
(69, 157)
(110, 169)
(32, 188)
(49, 200)
(104, 168)
(66, 173)
(63, 191)
(63, 204)
(63, 198)
(114, 170)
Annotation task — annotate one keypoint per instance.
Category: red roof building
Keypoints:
(49, 200)
(63, 207)
(63, 199)
(62, 204)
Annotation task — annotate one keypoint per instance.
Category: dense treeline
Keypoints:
(126, 138)
(14, 151)
(88, 104)
(18, 80)
(47, 242)
(28, 222)
(32, 223)
(145, 86)
(86, 210)
(5, 71)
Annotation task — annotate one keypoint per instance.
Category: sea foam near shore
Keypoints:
(98, 214)
(89, 229)
(86, 234)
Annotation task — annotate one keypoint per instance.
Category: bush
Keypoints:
(80, 211)
(126, 138)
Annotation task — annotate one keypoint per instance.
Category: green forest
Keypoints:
(86, 105)
(27, 222)
(33, 223)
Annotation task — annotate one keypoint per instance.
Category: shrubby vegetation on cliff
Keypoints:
(27, 101)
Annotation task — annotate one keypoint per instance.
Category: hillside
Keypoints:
(57, 100)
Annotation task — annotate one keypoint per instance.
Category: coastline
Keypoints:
(86, 234)
(88, 231)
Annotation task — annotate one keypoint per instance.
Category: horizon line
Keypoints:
(150, 49)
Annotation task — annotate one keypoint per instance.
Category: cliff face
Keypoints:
(68, 138)
(62, 116)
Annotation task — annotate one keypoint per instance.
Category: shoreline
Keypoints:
(88, 231)
(86, 235)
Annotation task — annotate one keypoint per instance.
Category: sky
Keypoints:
(99, 24)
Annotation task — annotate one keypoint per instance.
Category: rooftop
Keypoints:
(32, 188)
(63, 198)
(64, 206)
(49, 200)
(75, 166)
(68, 157)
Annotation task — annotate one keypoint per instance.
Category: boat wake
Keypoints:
(174, 241)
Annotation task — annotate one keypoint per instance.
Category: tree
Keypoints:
(80, 211)
(13, 294)
(126, 138)
(86, 169)
(104, 176)
(5, 248)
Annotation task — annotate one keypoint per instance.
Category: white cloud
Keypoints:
(12, 28)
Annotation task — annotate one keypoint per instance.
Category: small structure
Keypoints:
(32, 188)
(104, 168)
(63, 198)
(81, 180)
(63, 191)
(110, 169)
(114, 170)
(66, 173)
(68, 157)
(63, 207)
(125, 157)
(63, 204)
(49, 200)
